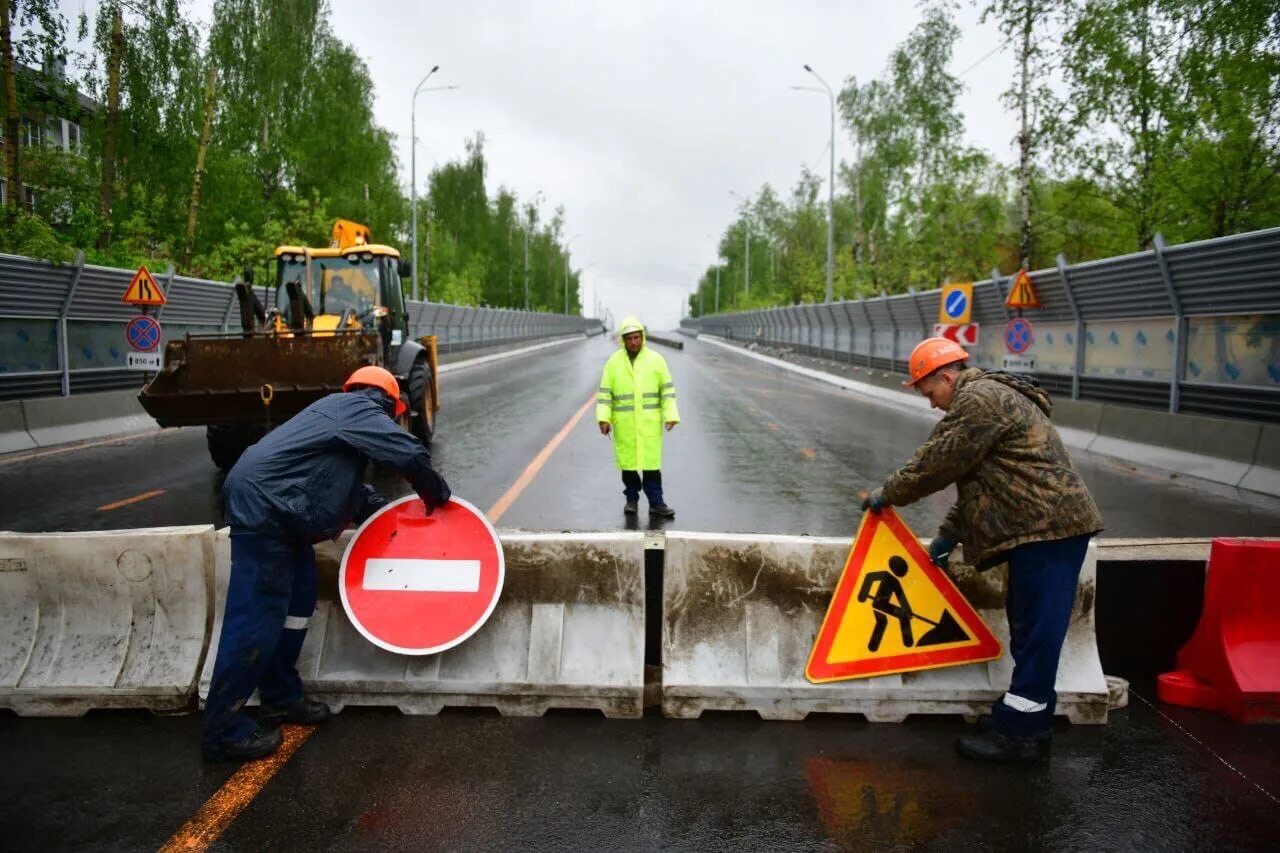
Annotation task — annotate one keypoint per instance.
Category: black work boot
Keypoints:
(258, 744)
(631, 507)
(662, 511)
(304, 711)
(999, 747)
(985, 725)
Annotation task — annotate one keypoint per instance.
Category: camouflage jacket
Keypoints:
(1016, 482)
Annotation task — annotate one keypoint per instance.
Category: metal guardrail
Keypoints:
(62, 325)
(1191, 328)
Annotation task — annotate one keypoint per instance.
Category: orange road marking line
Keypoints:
(133, 500)
(224, 806)
(808, 453)
(504, 503)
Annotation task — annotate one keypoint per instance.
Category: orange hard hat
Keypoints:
(931, 354)
(380, 378)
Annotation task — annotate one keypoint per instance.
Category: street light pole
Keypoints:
(831, 184)
(717, 285)
(413, 170)
(529, 228)
(566, 272)
(413, 173)
(746, 244)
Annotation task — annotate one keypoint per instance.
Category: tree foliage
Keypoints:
(293, 146)
(1142, 116)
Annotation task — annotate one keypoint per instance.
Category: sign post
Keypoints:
(417, 584)
(143, 331)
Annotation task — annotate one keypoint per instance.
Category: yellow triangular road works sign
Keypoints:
(143, 289)
(893, 610)
(1023, 293)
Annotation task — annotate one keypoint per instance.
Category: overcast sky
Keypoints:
(639, 116)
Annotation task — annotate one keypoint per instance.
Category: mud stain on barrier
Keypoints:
(539, 572)
(716, 584)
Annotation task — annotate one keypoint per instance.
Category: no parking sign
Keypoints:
(1018, 335)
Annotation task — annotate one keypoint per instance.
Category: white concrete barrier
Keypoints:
(740, 614)
(106, 619)
(57, 420)
(13, 428)
(568, 632)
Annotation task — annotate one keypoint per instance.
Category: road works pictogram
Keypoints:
(895, 611)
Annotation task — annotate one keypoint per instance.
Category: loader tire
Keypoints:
(228, 441)
(422, 418)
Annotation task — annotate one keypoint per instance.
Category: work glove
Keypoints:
(940, 550)
(874, 502)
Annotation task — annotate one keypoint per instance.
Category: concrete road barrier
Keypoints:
(568, 632)
(114, 619)
(57, 420)
(13, 428)
(740, 614)
(665, 341)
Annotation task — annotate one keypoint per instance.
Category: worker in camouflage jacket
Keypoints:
(1021, 502)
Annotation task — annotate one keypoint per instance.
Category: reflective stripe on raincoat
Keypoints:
(637, 398)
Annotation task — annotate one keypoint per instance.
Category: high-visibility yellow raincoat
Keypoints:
(637, 398)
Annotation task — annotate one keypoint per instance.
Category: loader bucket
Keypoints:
(220, 379)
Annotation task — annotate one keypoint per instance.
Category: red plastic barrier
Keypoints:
(1231, 663)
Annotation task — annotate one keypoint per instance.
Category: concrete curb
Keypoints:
(13, 428)
(1241, 454)
(48, 421)
(449, 367)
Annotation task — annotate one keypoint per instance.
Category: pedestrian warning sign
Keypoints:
(143, 289)
(1023, 293)
(895, 611)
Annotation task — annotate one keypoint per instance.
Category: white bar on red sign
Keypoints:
(402, 575)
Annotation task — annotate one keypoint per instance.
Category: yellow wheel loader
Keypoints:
(332, 310)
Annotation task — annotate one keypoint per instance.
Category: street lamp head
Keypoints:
(436, 68)
(807, 68)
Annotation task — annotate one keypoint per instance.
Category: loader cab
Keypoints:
(331, 290)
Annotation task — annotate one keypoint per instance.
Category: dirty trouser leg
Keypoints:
(1042, 590)
(281, 686)
(631, 485)
(653, 487)
(257, 603)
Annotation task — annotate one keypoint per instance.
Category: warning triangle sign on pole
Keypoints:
(1023, 293)
(893, 610)
(143, 289)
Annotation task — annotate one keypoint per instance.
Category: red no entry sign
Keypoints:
(418, 584)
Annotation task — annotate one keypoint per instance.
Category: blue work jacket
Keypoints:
(304, 479)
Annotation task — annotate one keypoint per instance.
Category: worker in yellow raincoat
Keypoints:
(637, 399)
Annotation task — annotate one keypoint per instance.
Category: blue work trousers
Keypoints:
(1042, 590)
(270, 598)
(651, 482)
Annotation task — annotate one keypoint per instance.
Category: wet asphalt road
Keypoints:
(376, 780)
(759, 450)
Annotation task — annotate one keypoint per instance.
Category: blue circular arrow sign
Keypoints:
(143, 333)
(955, 304)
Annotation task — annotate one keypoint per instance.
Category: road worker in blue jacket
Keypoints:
(300, 484)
